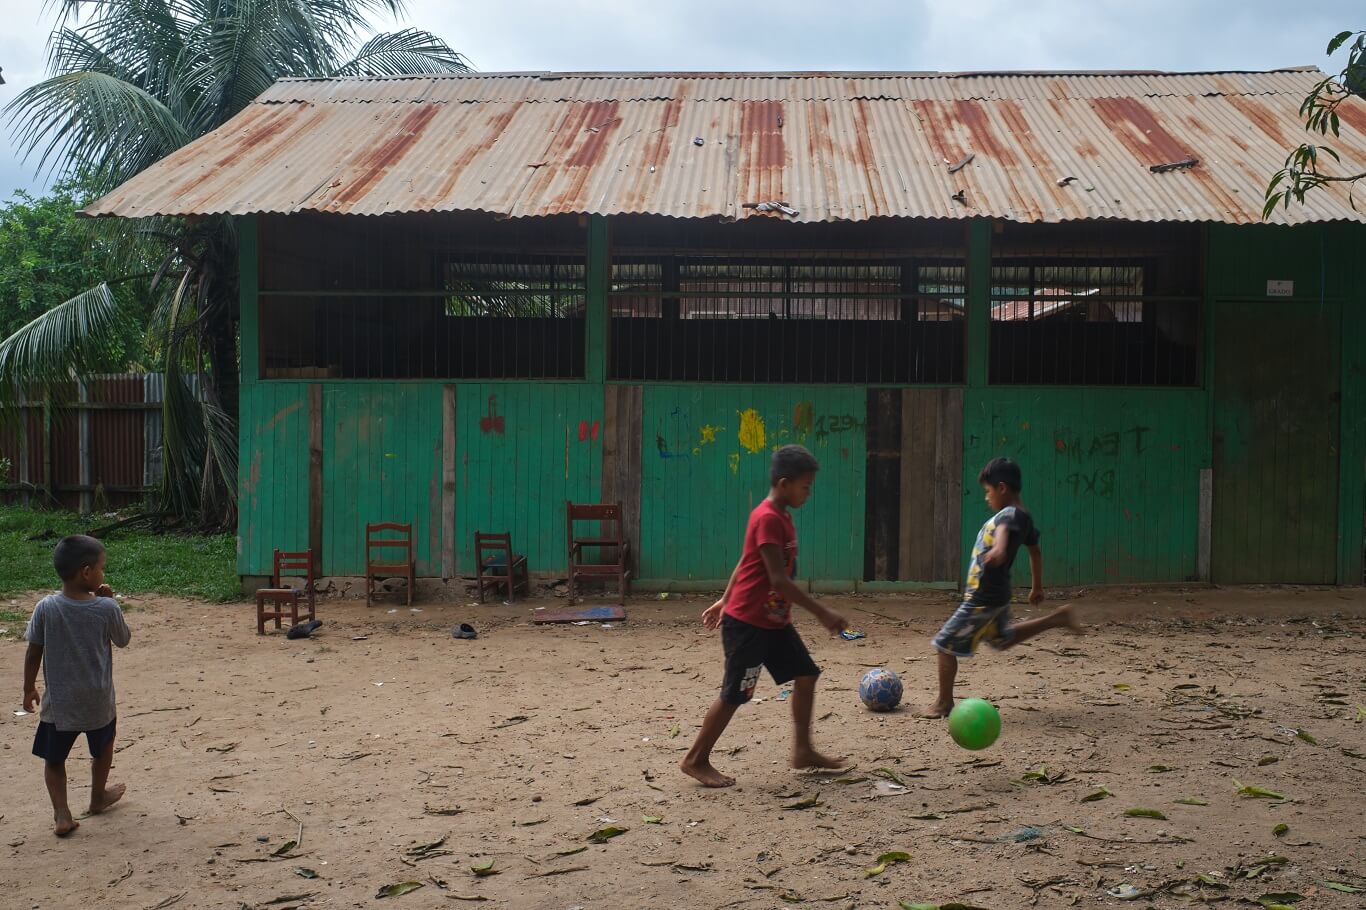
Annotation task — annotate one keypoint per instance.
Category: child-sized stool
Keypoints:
(280, 598)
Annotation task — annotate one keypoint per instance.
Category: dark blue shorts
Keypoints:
(53, 745)
(970, 625)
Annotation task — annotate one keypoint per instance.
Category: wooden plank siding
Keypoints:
(523, 449)
(705, 466)
(1111, 475)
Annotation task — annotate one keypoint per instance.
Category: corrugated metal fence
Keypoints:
(92, 446)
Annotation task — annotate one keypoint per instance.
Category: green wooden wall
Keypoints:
(1112, 477)
(705, 466)
(522, 450)
(272, 473)
(381, 462)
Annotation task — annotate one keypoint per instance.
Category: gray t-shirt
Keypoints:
(78, 664)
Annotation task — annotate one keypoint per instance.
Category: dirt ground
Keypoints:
(383, 735)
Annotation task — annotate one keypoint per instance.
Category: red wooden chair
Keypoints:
(496, 565)
(284, 600)
(608, 545)
(380, 540)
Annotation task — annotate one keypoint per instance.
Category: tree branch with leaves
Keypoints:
(1303, 171)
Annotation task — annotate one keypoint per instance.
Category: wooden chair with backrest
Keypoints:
(496, 565)
(381, 560)
(279, 600)
(599, 551)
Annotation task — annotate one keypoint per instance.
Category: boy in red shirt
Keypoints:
(755, 618)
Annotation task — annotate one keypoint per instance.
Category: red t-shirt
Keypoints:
(752, 598)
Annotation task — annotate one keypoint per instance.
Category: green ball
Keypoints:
(974, 724)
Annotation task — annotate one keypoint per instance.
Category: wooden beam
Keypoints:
(87, 473)
(597, 315)
(315, 475)
(449, 564)
(979, 301)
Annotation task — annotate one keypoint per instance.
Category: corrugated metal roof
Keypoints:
(834, 146)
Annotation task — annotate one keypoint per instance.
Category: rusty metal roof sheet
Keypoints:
(834, 146)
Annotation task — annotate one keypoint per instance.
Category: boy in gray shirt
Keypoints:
(69, 635)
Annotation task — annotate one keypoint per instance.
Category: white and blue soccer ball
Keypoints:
(880, 690)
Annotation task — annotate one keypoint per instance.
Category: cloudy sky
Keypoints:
(808, 35)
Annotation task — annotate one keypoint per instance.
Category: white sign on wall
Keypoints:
(1275, 288)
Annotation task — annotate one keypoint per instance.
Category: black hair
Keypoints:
(791, 462)
(75, 553)
(1001, 470)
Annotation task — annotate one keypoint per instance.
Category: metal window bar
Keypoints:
(1114, 305)
(819, 316)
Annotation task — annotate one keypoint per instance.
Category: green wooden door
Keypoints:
(1276, 426)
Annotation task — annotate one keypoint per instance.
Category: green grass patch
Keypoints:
(139, 561)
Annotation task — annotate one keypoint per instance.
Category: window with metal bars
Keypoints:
(1104, 305)
(421, 297)
(719, 304)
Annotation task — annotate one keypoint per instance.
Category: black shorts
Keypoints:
(53, 745)
(750, 648)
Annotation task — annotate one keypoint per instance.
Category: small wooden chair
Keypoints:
(387, 535)
(502, 567)
(279, 598)
(609, 536)
(298, 564)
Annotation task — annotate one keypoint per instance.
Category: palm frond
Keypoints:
(411, 50)
(67, 340)
(96, 123)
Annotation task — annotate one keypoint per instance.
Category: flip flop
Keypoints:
(464, 630)
(853, 634)
(304, 629)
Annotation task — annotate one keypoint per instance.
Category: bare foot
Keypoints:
(65, 824)
(810, 758)
(705, 774)
(936, 710)
(112, 794)
(1069, 620)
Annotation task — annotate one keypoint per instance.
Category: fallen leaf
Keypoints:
(809, 803)
(484, 868)
(849, 780)
(1352, 753)
(588, 800)
(1267, 760)
(286, 847)
(674, 732)
(1128, 892)
(652, 819)
(889, 774)
(288, 899)
(1279, 899)
(1145, 813)
(603, 835)
(1160, 769)
(1280, 829)
(1192, 801)
(1361, 715)
(1300, 734)
(1122, 687)
(571, 851)
(1100, 794)
(1256, 792)
(397, 889)
(930, 817)
(512, 721)
(887, 859)
(305, 873)
(423, 849)
(1343, 887)
(563, 870)
(466, 897)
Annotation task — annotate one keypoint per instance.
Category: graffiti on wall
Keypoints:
(753, 434)
(1093, 475)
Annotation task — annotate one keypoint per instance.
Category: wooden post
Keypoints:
(1202, 557)
(448, 548)
(979, 302)
(315, 475)
(596, 309)
(87, 473)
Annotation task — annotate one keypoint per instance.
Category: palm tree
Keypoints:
(132, 81)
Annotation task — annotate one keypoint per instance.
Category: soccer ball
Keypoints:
(880, 690)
